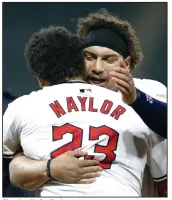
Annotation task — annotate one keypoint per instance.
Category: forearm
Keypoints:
(26, 173)
(161, 188)
(153, 114)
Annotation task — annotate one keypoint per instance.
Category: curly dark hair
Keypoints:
(103, 17)
(54, 54)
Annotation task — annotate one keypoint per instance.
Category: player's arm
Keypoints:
(161, 186)
(26, 173)
(150, 109)
(30, 174)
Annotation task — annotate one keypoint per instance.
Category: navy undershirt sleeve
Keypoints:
(153, 112)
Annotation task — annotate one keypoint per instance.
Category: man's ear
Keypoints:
(41, 82)
(128, 63)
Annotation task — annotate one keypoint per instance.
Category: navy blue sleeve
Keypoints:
(152, 112)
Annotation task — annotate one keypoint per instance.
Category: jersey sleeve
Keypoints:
(157, 158)
(153, 88)
(11, 131)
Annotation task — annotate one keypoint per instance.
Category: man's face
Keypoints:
(99, 62)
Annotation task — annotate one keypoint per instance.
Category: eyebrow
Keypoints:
(110, 55)
(90, 53)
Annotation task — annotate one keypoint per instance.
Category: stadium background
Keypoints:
(20, 20)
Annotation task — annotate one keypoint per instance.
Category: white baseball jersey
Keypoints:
(72, 116)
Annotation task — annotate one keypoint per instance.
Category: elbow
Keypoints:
(14, 175)
(16, 178)
(15, 182)
(25, 185)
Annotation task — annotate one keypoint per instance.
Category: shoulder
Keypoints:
(151, 87)
(21, 103)
(17, 104)
(148, 82)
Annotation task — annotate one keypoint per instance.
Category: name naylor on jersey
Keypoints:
(106, 107)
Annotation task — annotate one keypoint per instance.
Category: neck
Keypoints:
(76, 79)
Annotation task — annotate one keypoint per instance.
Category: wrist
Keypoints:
(49, 170)
(43, 170)
(137, 97)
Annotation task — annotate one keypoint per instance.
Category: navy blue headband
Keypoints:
(106, 37)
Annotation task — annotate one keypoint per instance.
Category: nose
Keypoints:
(97, 68)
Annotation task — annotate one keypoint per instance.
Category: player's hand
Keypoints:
(67, 168)
(123, 81)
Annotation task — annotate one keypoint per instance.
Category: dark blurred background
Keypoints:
(20, 20)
